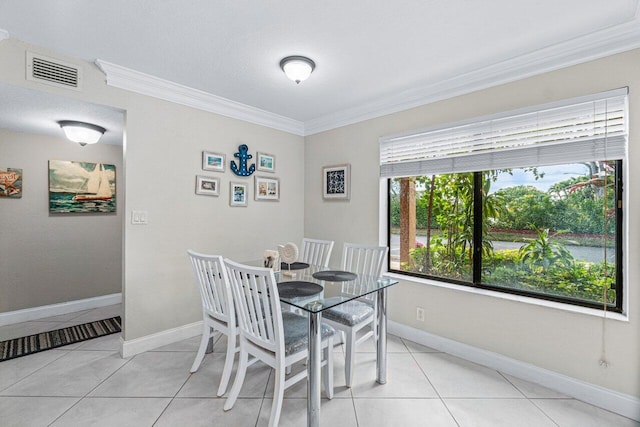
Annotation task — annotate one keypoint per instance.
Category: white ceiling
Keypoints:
(26, 110)
(372, 56)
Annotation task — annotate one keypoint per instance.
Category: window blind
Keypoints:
(581, 129)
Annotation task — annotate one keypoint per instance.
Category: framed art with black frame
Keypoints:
(336, 182)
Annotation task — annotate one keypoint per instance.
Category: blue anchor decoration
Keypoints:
(243, 155)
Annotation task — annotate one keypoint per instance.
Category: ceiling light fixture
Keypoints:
(297, 68)
(81, 132)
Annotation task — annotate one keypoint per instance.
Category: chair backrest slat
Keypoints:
(257, 304)
(316, 252)
(213, 284)
(365, 261)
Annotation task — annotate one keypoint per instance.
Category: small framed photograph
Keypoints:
(336, 182)
(266, 162)
(207, 185)
(213, 161)
(267, 188)
(237, 194)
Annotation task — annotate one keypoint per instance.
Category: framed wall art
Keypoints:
(213, 161)
(267, 188)
(266, 162)
(238, 194)
(336, 182)
(81, 187)
(11, 183)
(207, 186)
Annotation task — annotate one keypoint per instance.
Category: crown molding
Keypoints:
(595, 45)
(4, 34)
(135, 81)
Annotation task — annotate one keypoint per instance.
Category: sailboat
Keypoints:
(98, 187)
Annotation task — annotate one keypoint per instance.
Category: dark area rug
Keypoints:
(24, 346)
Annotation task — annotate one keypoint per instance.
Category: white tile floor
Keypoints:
(88, 384)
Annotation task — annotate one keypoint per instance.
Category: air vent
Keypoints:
(54, 72)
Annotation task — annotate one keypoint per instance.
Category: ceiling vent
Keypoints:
(53, 72)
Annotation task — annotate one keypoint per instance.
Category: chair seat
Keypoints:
(220, 320)
(350, 313)
(296, 332)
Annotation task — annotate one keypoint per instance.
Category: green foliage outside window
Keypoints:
(544, 223)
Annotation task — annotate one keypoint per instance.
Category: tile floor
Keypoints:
(88, 384)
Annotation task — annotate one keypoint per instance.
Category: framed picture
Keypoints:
(237, 194)
(267, 188)
(266, 162)
(336, 182)
(11, 183)
(213, 161)
(207, 186)
(81, 187)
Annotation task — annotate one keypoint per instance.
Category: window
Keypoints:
(528, 202)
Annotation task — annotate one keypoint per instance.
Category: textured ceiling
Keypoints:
(367, 52)
(25, 110)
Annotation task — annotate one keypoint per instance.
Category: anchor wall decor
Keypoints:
(243, 155)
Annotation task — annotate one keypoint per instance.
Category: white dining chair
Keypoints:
(353, 316)
(278, 338)
(316, 252)
(218, 312)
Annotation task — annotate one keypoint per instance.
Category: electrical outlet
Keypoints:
(420, 314)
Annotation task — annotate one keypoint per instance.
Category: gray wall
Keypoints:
(563, 341)
(47, 258)
(162, 155)
(162, 152)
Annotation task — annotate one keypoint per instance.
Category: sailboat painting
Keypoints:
(81, 187)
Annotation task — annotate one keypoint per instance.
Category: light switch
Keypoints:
(139, 217)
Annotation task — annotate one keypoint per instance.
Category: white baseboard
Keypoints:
(36, 313)
(611, 400)
(149, 342)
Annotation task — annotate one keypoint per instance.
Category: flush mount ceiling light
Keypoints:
(297, 68)
(81, 132)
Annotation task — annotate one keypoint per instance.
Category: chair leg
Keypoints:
(328, 369)
(342, 337)
(239, 380)
(349, 356)
(374, 327)
(278, 396)
(228, 365)
(206, 336)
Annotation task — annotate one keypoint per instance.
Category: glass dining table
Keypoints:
(337, 288)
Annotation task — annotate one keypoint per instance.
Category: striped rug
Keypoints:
(24, 346)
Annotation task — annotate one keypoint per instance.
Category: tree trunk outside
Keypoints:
(407, 218)
(427, 254)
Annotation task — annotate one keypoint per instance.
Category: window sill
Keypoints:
(511, 297)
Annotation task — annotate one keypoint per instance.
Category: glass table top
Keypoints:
(333, 292)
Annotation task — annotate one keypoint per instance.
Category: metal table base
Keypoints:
(314, 365)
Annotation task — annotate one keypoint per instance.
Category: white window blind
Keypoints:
(581, 129)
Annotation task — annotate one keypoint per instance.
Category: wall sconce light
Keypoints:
(297, 68)
(80, 132)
